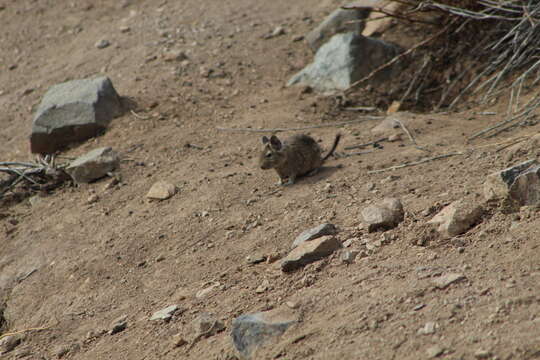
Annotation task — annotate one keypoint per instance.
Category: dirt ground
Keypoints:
(74, 266)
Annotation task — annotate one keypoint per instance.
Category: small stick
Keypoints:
(360, 108)
(406, 131)
(356, 153)
(360, 146)
(414, 163)
(297, 128)
(139, 116)
(511, 143)
(11, 163)
(24, 331)
(395, 59)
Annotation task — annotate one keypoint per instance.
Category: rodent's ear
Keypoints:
(264, 140)
(275, 142)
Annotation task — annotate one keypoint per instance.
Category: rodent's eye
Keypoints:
(268, 155)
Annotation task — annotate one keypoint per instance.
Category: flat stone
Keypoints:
(434, 351)
(497, 185)
(250, 331)
(339, 21)
(314, 233)
(161, 190)
(458, 217)
(102, 44)
(93, 165)
(165, 314)
(344, 59)
(9, 343)
(206, 325)
(443, 281)
(72, 112)
(482, 354)
(385, 215)
(309, 252)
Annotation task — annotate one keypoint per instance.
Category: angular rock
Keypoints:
(178, 340)
(161, 190)
(314, 233)
(339, 21)
(457, 218)
(383, 216)
(73, 111)
(348, 256)
(389, 125)
(497, 185)
(525, 191)
(9, 343)
(93, 165)
(443, 281)
(434, 351)
(251, 331)
(309, 252)
(428, 328)
(206, 325)
(344, 59)
(165, 314)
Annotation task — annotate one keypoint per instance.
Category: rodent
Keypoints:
(295, 156)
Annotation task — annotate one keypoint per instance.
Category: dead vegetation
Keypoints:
(480, 52)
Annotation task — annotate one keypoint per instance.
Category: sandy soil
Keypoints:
(90, 263)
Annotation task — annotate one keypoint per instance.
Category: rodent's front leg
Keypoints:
(292, 178)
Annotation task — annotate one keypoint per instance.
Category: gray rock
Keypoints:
(93, 165)
(434, 351)
(206, 325)
(348, 256)
(428, 328)
(9, 343)
(482, 354)
(314, 233)
(102, 44)
(309, 252)
(165, 314)
(344, 59)
(497, 185)
(443, 281)
(339, 21)
(73, 111)
(457, 218)
(383, 216)
(118, 325)
(251, 331)
(525, 191)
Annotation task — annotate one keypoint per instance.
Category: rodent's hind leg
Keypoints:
(313, 172)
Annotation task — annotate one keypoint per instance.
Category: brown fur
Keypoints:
(295, 156)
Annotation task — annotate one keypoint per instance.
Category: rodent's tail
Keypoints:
(334, 146)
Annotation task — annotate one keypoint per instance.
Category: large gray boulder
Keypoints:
(73, 111)
(345, 59)
(339, 21)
